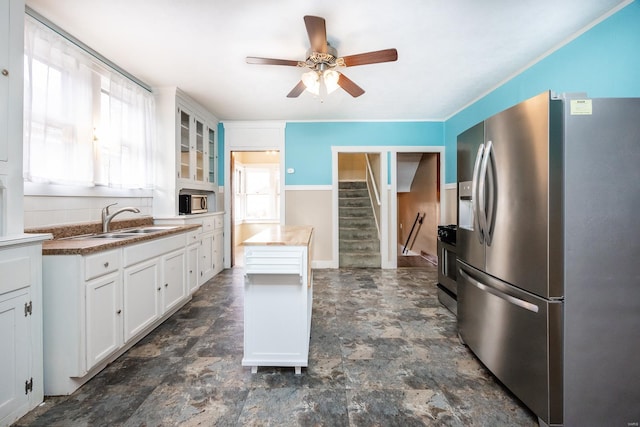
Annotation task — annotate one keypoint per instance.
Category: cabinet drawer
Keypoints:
(272, 262)
(208, 224)
(193, 237)
(101, 263)
(218, 222)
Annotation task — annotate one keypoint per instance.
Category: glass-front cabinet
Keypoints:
(187, 147)
(197, 148)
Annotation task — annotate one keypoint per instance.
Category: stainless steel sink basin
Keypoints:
(110, 236)
(146, 230)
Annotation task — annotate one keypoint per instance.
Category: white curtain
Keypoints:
(84, 124)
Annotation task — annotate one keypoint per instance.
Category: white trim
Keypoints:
(394, 190)
(308, 187)
(250, 144)
(451, 186)
(34, 189)
(324, 264)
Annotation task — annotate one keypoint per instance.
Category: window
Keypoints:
(257, 195)
(84, 124)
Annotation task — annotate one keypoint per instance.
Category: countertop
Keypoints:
(76, 239)
(287, 235)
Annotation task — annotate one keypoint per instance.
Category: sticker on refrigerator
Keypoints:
(581, 107)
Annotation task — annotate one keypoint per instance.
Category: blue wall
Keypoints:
(308, 145)
(603, 62)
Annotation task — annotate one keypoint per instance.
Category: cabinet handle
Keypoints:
(5, 72)
(119, 311)
(159, 288)
(166, 285)
(190, 271)
(106, 264)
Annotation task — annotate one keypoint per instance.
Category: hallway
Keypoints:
(383, 352)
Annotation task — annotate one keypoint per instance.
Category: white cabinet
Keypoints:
(100, 305)
(193, 252)
(173, 283)
(278, 297)
(21, 381)
(142, 297)
(11, 103)
(104, 317)
(187, 141)
(205, 254)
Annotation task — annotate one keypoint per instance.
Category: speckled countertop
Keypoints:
(78, 239)
(288, 235)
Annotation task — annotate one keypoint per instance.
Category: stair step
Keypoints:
(358, 233)
(351, 212)
(359, 260)
(352, 184)
(357, 222)
(354, 202)
(370, 246)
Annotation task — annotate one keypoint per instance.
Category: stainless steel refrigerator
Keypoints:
(548, 246)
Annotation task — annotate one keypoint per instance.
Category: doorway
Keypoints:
(418, 208)
(255, 202)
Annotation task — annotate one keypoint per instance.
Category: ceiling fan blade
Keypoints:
(349, 86)
(386, 55)
(270, 61)
(296, 91)
(317, 30)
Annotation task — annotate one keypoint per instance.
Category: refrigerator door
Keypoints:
(469, 237)
(517, 336)
(517, 250)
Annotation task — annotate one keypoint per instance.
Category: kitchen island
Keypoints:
(278, 296)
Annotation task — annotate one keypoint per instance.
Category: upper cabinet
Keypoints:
(187, 150)
(11, 102)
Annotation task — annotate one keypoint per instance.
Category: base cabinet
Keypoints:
(100, 305)
(104, 318)
(21, 378)
(205, 253)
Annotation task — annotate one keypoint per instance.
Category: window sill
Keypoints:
(34, 189)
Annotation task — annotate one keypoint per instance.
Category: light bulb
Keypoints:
(331, 80)
(311, 81)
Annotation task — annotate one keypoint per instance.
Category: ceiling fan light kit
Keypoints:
(321, 60)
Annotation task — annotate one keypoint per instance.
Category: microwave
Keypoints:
(192, 204)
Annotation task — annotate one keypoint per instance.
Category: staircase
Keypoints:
(359, 243)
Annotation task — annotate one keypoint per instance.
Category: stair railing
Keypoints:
(418, 220)
(371, 184)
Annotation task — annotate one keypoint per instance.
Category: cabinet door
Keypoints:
(184, 143)
(104, 318)
(173, 268)
(14, 356)
(141, 297)
(192, 268)
(218, 252)
(212, 156)
(206, 257)
(4, 79)
(199, 151)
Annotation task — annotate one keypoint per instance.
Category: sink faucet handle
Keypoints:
(106, 208)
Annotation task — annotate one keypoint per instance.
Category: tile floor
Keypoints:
(383, 352)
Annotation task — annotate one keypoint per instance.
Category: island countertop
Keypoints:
(282, 235)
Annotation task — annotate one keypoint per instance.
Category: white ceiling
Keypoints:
(449, 52)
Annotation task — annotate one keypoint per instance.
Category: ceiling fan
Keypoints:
(321, 60)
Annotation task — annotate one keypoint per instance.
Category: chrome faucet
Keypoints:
(107, 217)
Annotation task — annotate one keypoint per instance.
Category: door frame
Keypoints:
(249, 136)
(389, 196)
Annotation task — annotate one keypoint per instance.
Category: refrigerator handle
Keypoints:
(488, 171)
(513, 300)
(474, 194)
(482, 191)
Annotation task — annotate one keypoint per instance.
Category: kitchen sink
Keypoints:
(123, 234)
(146, 230)
(109, 236)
